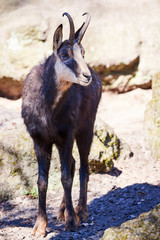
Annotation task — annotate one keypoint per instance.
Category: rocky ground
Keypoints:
(131, 188)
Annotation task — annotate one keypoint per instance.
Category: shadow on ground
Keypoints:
(112, 209)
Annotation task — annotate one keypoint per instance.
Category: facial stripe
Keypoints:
(80, 60)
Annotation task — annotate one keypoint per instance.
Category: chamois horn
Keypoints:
(81, 31)
(71, 23)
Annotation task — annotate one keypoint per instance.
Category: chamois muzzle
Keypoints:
(86, 80)
(87, 77)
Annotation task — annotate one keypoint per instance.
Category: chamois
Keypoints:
(59, 104)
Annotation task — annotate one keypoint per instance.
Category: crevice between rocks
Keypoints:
(117, 77)
(114, 78)
(120, 69)
(10, 88)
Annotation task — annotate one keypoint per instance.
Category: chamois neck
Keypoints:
(61, 87)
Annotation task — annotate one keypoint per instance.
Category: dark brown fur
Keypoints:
(71, 118)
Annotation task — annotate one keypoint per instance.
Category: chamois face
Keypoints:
(70, 64)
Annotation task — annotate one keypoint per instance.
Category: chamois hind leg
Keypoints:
(43, 154)
(84, 140)
(63, 203)
(67, 173)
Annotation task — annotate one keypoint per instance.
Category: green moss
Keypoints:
(16, 171)
(33, 192)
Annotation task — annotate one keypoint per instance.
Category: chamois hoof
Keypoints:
(70, 226)
(81, 213)
(40, 227)
(60, 216)
(70, 222)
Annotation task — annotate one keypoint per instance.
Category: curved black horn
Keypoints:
(83, 28)
(71, 36)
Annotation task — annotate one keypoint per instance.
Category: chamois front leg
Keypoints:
(43, 154)
(84, 140)
(67, 173)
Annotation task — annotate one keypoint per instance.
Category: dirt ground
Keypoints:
(131, 188)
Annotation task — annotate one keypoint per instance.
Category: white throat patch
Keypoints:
(64, 79)
(65, 76)
(63, 73)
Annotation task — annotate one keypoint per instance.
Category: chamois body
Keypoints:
(57, 110)
(76, 109)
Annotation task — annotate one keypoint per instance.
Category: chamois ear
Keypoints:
(57, 38)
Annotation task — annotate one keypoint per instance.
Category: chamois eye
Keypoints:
(65, 55)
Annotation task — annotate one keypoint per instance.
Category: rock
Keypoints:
(101, 157)
(115, 148)
(152, 120)
(19, 165)
(21, 47)
(118, 77)
(146, 226)
(122, 42)
(19, 168)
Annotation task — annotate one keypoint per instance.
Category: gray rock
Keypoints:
(146, 226)
(152, 121)
(122, 41)
(18, 164)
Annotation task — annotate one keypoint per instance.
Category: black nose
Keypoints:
(87, 76)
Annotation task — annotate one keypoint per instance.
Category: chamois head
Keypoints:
(70, 65)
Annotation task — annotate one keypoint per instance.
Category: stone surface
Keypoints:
(122, 41)
(152, 120)
(18, 164)
(112, 199)
(145, 227)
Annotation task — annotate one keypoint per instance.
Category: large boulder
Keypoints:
(152, 120)
(146, 226)
(122, 42)
(22, 46)
(18, 164)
